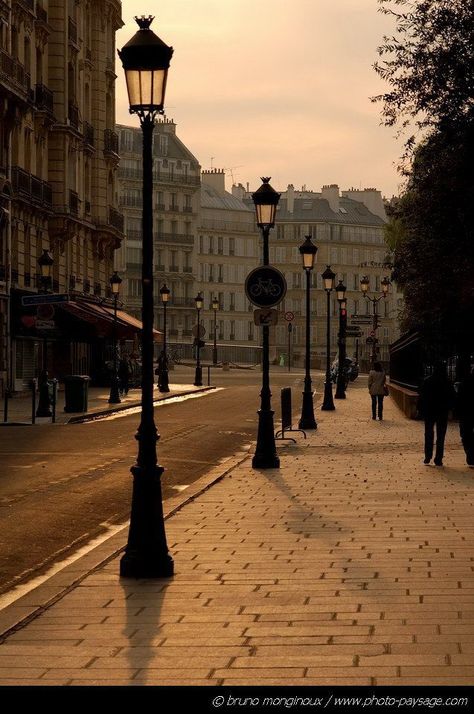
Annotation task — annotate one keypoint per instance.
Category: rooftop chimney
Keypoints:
(331, 194)
(290, 198)
(371, 198)
(216, 179)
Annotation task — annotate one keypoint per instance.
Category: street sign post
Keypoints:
(28, 300)
(265, 286)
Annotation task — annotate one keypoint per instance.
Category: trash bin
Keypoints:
(76, 388)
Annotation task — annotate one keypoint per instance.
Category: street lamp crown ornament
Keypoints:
(146, 60)
(266, 201)
(308, 251)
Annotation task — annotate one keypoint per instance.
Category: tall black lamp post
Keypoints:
(146, 60)
(266, 201)
(364, 286)
(308, 252)
(328, 278)
(215, 307)
(163, 378)
(114, 397)
(341, 371)
(45, 263)
(199, 300)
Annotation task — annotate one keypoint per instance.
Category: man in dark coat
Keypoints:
(465, 412)
(437, 397)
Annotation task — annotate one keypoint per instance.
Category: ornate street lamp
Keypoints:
(308, 252)
(163, 380)
(45, 263)
(114, 397)
(364, 286)
(199, 300)
(266, 201)
(328, 279)
(146, 60)
(341, 371)
(215, 307)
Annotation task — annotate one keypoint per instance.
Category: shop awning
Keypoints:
(103, 318)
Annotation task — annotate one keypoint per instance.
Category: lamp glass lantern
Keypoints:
(364, 284)
(146, 60)
(266, 201)
(341, 291)
(45, 263)
(165, 293)
(385, 283)
(215, 303)
(328, 278)
(199, 301)
(308, 252)
(115, 283)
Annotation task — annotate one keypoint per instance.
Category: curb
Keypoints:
(132, 405)
(31, 605)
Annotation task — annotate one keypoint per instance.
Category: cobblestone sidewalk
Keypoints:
(352, 564)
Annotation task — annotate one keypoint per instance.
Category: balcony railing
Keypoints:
(174, 238)
(116, 219)
(73, 114)
(165, 177)
(13, 71)
(187, 269)
(174, 268)
(173, 331)
(160, 207)
(31, 187)
(44, 98)
(73, 202)
(134, 201)
(111, 141)
(160, 267)
(182, 302)
(88, 134)
(187, 333)
(125, 172)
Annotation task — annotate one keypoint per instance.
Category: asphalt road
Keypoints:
(62, 485)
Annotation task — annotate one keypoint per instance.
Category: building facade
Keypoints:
(176, 182)
(227, 251)
(347, 228)
(58, 160)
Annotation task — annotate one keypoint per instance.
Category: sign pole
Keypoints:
(289, 347)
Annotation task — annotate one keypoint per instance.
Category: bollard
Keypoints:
(55, 397)
(208, 375)
(33, 401)
(286, 416)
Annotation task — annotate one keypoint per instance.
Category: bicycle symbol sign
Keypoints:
(265, 286)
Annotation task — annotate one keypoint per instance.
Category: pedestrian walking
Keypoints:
(436, 398)
(124, 374)
(162, 366)
(465, 413)
(377, 389)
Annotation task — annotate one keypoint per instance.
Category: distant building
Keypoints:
(58, 156)
(227, 251)
(347, 228)
(176, 182)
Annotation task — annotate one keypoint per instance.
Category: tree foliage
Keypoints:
(428, 64)
(434, 238)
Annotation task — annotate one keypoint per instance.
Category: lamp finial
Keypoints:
(144, 21)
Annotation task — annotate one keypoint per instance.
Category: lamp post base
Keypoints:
(340, 390)
(265, 456)
(114, 397)
(307, 420)
(328, 403)
(146, 555)
(198, 377)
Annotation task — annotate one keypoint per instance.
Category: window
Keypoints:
(211, 244)
(163, 145)
(231, 246)
(220, 245)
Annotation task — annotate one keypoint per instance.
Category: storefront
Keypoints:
(74, 337)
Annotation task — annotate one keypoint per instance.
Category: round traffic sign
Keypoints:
(372, 333)
(289, 316)
(265, 286)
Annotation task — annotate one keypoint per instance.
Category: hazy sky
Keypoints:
(275, 88)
